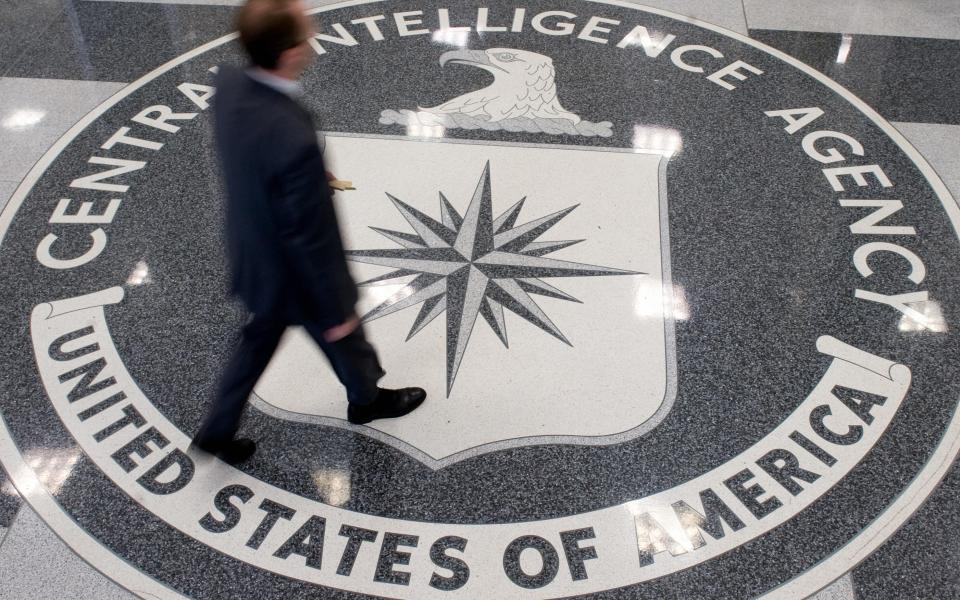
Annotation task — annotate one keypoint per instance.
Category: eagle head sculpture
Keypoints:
(523, 86)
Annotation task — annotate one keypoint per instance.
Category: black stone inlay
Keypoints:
(576, 554)
(356, 537)
(9, 500)
(903, 78)
(307, 542)
(226, 502)
(460, 571)
(391, 555)
(920, 560)
(549, 562)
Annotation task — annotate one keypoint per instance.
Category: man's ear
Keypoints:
(285, 59)
(302, 51)
(295, 57)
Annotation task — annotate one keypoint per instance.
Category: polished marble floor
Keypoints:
(681, 284)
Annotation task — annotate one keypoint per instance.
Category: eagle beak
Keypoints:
(477, 58)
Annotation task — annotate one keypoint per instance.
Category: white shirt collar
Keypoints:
(284, 86)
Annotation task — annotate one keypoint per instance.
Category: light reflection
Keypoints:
(846, 41)
(452, 37)
(378, 292)
(51, 467)
(21, 119)
(932, 320)
(333, 485)
(140, 274)
(653, 301)
(647, 38)
(657, 140)
(659, 529)
(427, 131)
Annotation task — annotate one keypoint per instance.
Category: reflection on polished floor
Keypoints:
(679, 279)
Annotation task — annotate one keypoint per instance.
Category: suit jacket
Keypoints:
(286, 254)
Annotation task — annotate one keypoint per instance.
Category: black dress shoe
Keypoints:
(389, 404)
(233, 452)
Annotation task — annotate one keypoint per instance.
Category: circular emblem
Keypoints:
(680, 304)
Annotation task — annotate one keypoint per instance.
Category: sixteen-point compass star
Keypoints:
(473, 265)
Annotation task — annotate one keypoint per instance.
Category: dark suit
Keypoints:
(286, 254)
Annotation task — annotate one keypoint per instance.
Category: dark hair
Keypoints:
(268, 28)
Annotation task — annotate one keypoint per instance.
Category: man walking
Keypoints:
(286, 254)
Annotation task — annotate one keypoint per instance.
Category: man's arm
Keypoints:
(307, 226)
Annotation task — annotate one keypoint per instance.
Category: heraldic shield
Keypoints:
(531, 300)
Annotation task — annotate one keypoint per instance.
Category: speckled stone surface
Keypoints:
(905, 79)
(939, 144)
(913, 18)
(842, 589)
(35, 114)
(916, 562)
(37, 565)
(79, 40)
(6, 190)
(757, 245)
(919, 560)
(9, 500)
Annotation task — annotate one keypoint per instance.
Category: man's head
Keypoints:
(275, 34)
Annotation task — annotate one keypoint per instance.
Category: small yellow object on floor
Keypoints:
(341, 185)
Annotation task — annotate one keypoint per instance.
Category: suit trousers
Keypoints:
(353, 359)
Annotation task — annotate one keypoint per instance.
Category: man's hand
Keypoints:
(335, 334)
(341, 185)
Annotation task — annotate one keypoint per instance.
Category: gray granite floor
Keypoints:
(902, 62)
(36, 564)
(940, 145)
(926, 544)
(34, 114)
(31, 547)
(914, 18)
(903, 78)
(6, 190)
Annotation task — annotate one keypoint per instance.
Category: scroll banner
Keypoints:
(147, 457)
